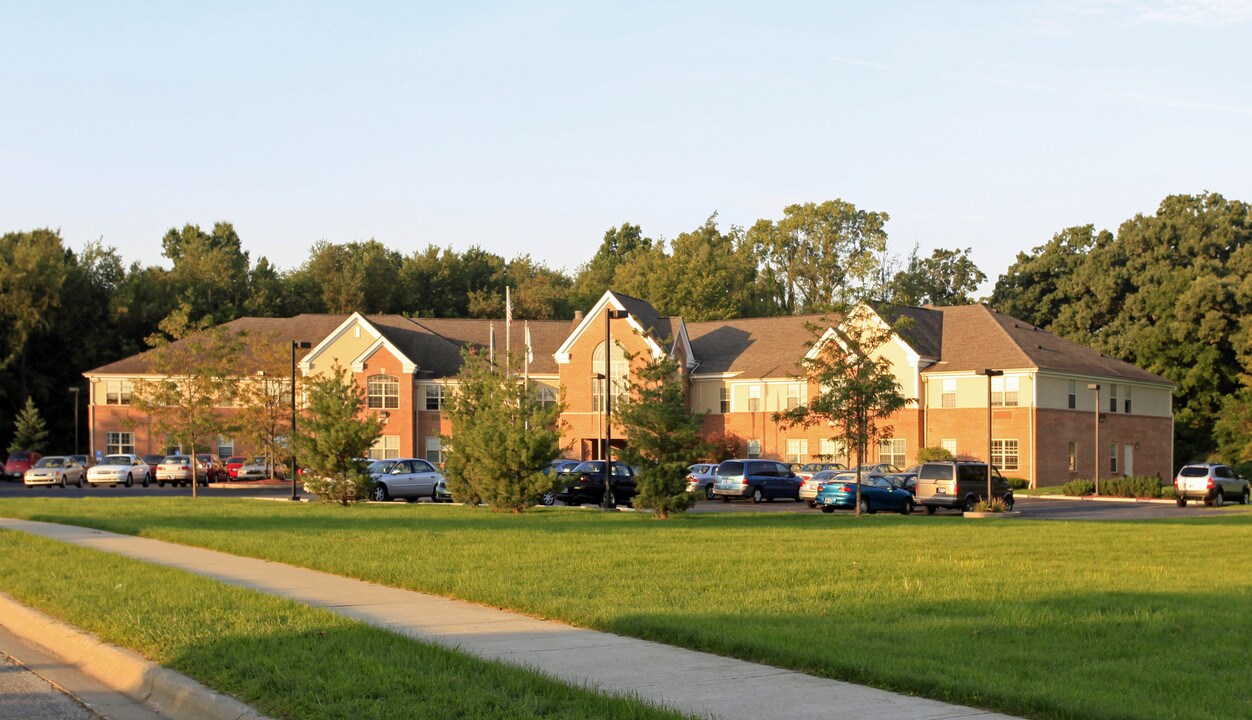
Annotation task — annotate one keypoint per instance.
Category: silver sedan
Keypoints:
(55, 470)
(116, 470)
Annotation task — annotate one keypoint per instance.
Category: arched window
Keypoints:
(619, 371)
(383, 391)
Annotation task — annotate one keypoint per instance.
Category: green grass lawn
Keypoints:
(286, 659)
(1042, 619)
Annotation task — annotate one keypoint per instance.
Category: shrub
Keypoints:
(1131, 487)
(1018, 483)
(994, 505)
(1078, 486)
(724, 446)
(934, 454)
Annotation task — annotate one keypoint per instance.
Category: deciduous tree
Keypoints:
(857, 389)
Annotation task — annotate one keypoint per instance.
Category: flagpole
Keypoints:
(491, 344)
(526, 374)
(508, 325)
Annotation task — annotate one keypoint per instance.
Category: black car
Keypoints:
(585, 484)
(553, 471)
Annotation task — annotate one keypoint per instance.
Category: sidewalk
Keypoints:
(694, 682)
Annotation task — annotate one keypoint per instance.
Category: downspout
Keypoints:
(1034, 437)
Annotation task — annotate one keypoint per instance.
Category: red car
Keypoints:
(233, 463)
(19, 462)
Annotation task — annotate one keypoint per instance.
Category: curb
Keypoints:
(123, 670)
(1094, 498)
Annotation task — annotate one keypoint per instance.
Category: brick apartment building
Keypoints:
(1043, 410)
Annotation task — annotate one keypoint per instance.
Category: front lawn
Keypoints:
(286, 659)
(1042, 619)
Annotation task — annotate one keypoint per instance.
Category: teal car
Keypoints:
(877, 493)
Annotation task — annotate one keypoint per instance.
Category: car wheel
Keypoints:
(1219, 499)
(864, 507)
(970, 502)
(62, 481)
(1247, 497)
(812, 503)
(80, 481)
(757, 495)
(1008, 502)
(1182, 502)
(930, 509)
(908, 507)
(708, 492)
(380, 493)
(828, 508)
(146, 479)
(548, 499)
(610, 499)
(92, 485)
(568, 503)
(129, 480)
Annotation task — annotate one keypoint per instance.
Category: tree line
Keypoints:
(1168, 292)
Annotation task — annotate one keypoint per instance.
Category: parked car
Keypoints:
(259, 468)
(233, 463)
(808, 470)
(152, 460)
(585, 484)
(176, 470)
(905, 480)
(757, 479)
(116, 470)
(877, 493)
(700, 478)
(18, 463)
(441, 491)
(554, 470)
(84, 460)
(877, 469)
(408, 479)
(55, 470)
(958, 485)
(1213, 483)
(215, 470)
(810, 487)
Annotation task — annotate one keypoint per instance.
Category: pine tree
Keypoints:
(662, 437)
(29, 431)
(332, 436)
(503, 437)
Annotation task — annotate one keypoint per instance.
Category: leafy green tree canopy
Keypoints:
(332, 436)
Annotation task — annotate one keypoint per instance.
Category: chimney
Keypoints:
(578, 316)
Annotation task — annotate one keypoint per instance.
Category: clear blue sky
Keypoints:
(533, 127)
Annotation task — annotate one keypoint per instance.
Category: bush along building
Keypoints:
(1056, 409)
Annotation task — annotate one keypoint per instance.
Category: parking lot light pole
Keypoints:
(74, 392)
(990, 374)
(291, 436)
(1096, 387)
(609, 316)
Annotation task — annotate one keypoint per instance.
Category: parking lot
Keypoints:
(1030, 508)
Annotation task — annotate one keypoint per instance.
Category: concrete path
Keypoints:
(694, 682)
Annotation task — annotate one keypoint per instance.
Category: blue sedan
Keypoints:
(877, 493)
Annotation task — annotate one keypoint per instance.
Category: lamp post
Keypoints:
(606, 499)
(1096, 387)
(74, 392)
(990, 374)
(291, 436)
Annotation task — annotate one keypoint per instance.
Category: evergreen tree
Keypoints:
(332, 436)
(29, 432)
(503, 436)
(662, 436)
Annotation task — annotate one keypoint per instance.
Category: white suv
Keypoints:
(1212, 483)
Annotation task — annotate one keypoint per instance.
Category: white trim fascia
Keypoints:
(407, 366)
(716, 376)
(562, 354)
(692, 362)
(306, 363)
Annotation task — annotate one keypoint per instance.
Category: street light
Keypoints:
(1096, 387)
(74, 392)
(605, 500)
(990, 374)
(291, 436)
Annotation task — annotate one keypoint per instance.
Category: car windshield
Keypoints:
(257, 461)
(52, 462)
(380, 467)
(825, 475)
(203, 458)
(20, 457)
(175, 459)
(591, 466)
(1194, 471)
(115, 460)
(236, 460)
(730, 468)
